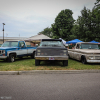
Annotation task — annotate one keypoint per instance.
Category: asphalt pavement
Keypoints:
(80, 86)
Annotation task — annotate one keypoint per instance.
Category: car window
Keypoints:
(90, 46)
(21, 44)
(78, 46)
(51, 43)
(10, 44)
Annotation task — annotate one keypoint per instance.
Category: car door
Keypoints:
(76, 53)
(22, 48)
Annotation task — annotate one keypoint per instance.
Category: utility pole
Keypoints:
(3, 31)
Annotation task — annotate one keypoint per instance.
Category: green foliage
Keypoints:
(63, 25)
(47, 31)
(97, 3)
(84, 22)
(75, 32)
(88, 24)
(96, 22)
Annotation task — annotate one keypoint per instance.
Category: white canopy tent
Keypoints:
(37, 38)
(64, 42)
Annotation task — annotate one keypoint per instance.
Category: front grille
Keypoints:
(97, 53)
(97, 57)
(52, 52)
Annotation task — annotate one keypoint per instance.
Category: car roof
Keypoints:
(86, 43)
(13, 40)
(51, 40)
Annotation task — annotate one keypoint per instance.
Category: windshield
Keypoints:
(89, 46)
(10, 44)
(51, 43)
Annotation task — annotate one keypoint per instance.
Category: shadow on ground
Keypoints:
(51, 63)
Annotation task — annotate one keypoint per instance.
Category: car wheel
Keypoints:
(33, 55)
(68, 56)
(11, 58)
(83, 60)
(20, 57)
(65, 62)
(37, 62)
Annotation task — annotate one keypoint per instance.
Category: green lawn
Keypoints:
(29, 64)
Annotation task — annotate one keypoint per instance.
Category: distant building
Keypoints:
(11, 38)
(36, 39)
(31, 41)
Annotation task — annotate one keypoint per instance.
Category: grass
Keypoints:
(29, 64)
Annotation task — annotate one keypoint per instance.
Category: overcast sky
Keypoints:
(26, 18)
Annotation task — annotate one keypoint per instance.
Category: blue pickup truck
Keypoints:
(12, 49)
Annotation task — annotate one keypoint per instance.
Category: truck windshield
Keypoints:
(89, 46)
(51, 43)
(10, 44)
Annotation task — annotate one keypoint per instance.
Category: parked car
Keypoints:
(12, 49)
(85, 52)
(51, 49)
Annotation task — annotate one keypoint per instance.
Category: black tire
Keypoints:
(83, 60)
(37, 62)
(68, 56)
(33, 55)
(11, 58)
(20, 57)
(65, 62)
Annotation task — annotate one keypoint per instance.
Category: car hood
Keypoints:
(51, 48)
(94, 51)
(7, 48)
(91, 51)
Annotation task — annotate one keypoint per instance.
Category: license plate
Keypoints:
(51, 58)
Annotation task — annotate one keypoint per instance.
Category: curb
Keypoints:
(47, 72)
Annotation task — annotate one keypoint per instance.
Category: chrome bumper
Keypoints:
(93, 61)
(3, 57)
(51, 57)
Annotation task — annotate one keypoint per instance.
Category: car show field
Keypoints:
(29, 64)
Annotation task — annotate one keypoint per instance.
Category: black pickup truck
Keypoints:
(51, 49)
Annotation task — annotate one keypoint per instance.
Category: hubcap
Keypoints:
(12, 59)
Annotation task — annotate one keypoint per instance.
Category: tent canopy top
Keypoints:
(94, 41)
(73, 41)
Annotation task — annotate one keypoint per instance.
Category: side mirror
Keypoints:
(22, 45)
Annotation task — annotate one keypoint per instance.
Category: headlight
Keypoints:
(2, 51)
(91, 57)
(64, 51)
(38, 54)
(64, 54)
(38, 50)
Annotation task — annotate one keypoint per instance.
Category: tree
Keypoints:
(85, 26)
(96, 20)
(89, 24)
(75, 32)
(63, 25)
(97, 3)
(47, 31)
